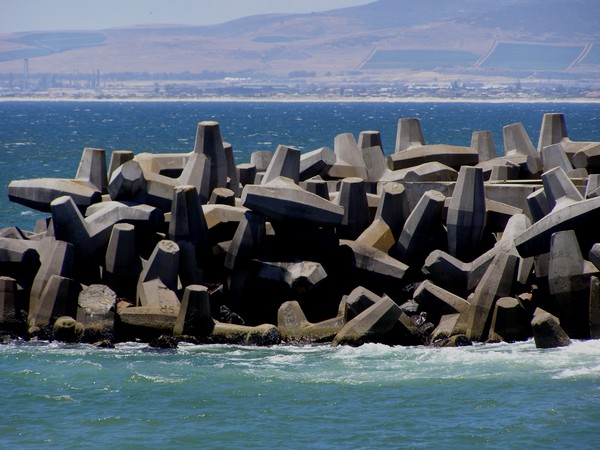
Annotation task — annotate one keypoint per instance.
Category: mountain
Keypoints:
(508, 37)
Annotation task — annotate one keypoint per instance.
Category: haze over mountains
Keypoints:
(385, 38)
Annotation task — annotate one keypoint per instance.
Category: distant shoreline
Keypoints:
(295, 99)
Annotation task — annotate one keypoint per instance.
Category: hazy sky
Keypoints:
(34, 15)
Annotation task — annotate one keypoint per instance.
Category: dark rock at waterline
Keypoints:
(164, 342)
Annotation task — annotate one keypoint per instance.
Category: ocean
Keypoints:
(218, 396)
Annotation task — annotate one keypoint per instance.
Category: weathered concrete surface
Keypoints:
(158, 283)
(194, 317)
(438, 302)
(554, 132)
(353, 199)
(96, 306)
(349, 161)
(282, 200)
(579, 216)
(453, 156)
(510, 321)
(428, 171)
(209, 143)
(372, 325)
(547, 331)
(466, 214)
(569, 284)
(39, 193)
(285, 163)
(408, 134)
(92, 168)
(497, 282)
(519, 149)
(483, 143)
(422, 231)
(316, 163)
(295, 328)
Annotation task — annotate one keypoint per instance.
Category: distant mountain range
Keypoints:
(508, 37)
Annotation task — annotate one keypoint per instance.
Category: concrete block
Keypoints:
(372, 325)
(438, 302)
(285, 163)
(511, 322)
(370, 138)
(408, 134)
(353, 198)
(300, 276)
(233, 182)
(117, 159)
(466, 214)
(92, 168)
(497, 282)
(316, 163)
(59, 298)
(210, 143)
(519, 149)
(122, 262)
(422, 231)
(194, 317)
(248, 238)
(158, 282)
(393, 207)
(349, 161)
(261, 159)
(427, 171)
(283, 201)
(483, 143)
(246, 174)
(547, 331)
(568, 284)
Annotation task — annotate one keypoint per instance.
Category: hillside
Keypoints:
(464, 36)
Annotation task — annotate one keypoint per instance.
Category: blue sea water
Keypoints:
(485, 396)
(45, 139)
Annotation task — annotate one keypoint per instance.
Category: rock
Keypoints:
(262, 335)
(164, 342)
(67, 329)
(459, 340)
(96, 311)
(547, 331)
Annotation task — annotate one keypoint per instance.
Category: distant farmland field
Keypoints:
(593, 57)
(532, 57)
(42, 44)
(419, 59)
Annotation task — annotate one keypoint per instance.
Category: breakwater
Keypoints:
(292, 246)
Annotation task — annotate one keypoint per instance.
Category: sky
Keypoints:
(48, 15)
